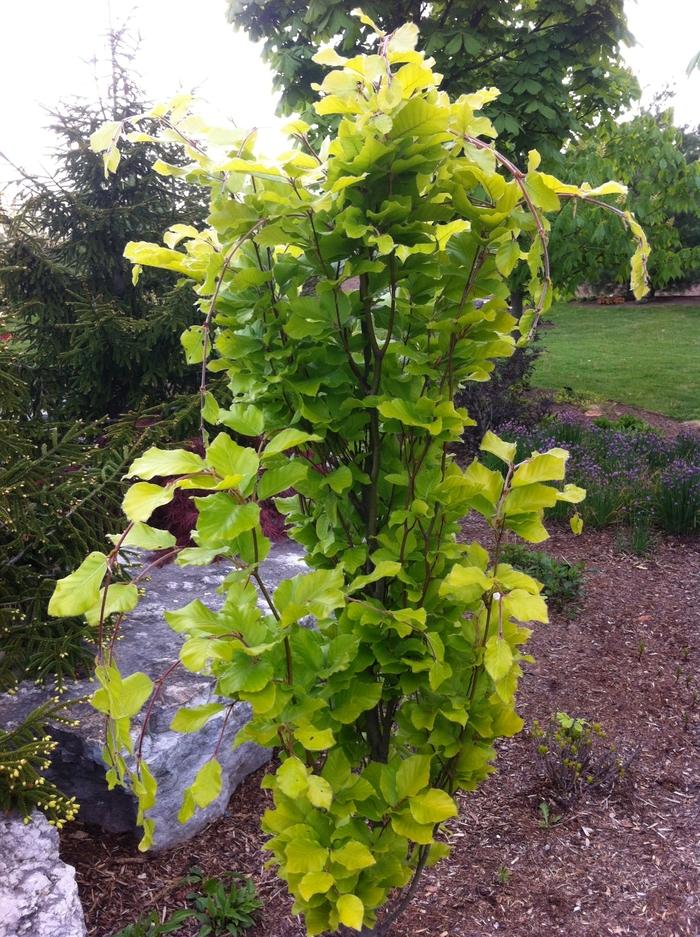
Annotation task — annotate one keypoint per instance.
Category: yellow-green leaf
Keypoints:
(143, 498)
(432, 806)
(315, 883)
(351, 911)
(164, 462)
(354, 856)
(76, 593)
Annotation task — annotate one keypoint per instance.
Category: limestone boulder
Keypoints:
(38, 892)
(148, 644)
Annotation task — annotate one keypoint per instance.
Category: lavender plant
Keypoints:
(632, 476)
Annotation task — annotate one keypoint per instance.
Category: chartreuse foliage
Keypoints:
(338, 296)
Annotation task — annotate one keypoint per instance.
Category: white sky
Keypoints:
(45, 47)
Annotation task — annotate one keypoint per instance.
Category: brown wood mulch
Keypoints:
(624, 864)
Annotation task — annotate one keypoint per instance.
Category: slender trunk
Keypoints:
(516, 302)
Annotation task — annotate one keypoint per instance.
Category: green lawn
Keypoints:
(643, 356)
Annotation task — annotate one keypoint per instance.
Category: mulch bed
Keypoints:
(627, 863)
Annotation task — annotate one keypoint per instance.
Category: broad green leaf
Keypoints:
(78, 592)
(146, 538)
(198, 556)
(412, 414)
(315, 883)
(143, 498)
(105, 136)
(245, 419)
(572, 493)
(304, 855)
(205, 788)
(192, 720)
(221, 519)
(507, 256)
(525, 607)
(129, 695)
(313, 739)
(288, 439)
(279, 479)
(404, 824)
(193, 617)
(121, 598)
(354, 856)
(505, 451)
(207, 783)
(327, 55)
(164, 462)
(465, 583)
(228, 458)
(339, 480)
(319, 792)
(192, 341)
(541, 467)
(246, 673)
(318, 594)
(432, 806)
(355, 700)
(530, 498)
(498, 657)
(351, 911)
(412, 775)
(292, 777)
(383, 570)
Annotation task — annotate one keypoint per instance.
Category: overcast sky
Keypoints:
(46, 45)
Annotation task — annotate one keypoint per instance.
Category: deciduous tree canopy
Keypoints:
(557, 63)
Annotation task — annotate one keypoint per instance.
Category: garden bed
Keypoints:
(628, 863)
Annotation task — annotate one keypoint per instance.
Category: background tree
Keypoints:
(95, 343)
(557, 63)
(659, 164)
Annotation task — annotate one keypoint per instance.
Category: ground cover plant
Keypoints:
(561, 581)
(575, 756)
(645, 356)
(632, 476)
(338, 296)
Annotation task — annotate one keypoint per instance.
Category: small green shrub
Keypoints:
(627, 423)
(25, 754)
(575, 756)
(222, 908)
(151, 925)
(562, 581)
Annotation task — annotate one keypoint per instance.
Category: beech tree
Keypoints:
(557, 63)
(404, 227)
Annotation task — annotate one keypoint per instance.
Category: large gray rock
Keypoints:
(38, 894)
(148, 644)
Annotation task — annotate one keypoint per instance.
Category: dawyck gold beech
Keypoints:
(338, 292)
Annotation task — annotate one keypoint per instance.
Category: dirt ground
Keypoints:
(627, 863)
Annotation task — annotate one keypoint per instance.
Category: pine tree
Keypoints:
(95, 342)
(90, 366)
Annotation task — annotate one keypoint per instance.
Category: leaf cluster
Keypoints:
(558, 63)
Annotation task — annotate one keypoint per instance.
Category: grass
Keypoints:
(643, 356)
